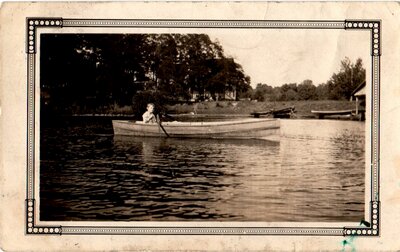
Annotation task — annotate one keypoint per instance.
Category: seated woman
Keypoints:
(148, 116)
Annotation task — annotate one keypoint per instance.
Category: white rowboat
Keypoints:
(238, 129)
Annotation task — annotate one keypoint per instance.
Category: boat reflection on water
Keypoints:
(162, 151)
(157, 141)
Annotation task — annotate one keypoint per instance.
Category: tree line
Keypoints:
(339, 87)
(94, 70)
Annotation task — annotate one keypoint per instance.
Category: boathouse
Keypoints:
(359, 93)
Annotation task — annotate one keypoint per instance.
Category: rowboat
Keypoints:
(266, 128)
(321, 114)
(276, 113)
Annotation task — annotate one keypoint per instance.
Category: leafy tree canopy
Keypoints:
(98, 69)
(339, 87)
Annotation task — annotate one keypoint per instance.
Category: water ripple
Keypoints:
(87, 174)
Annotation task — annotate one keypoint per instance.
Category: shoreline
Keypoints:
(224, 109)
(209, 116)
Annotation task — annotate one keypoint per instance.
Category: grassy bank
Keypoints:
(303, 108)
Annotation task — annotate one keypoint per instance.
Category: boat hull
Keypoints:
(247, 128)
(333, 112)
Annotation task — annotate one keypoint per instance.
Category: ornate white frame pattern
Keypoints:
(33, 24)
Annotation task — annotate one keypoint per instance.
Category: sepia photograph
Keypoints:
(220, 125)
(204, 126)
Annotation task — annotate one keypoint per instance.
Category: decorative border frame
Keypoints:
(371, 228)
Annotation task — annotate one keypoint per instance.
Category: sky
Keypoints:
(276, 57)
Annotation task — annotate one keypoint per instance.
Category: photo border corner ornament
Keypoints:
(371, 228)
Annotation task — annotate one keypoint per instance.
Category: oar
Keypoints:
(159, 124)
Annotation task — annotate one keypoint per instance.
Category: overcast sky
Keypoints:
(275, 57)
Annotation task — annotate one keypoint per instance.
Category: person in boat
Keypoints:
(148, 116)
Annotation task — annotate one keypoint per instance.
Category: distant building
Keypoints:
(229, 95)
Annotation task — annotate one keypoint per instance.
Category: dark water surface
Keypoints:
(315, 173)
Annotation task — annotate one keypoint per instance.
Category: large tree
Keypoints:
(227, 75)
(91, 70)
(98, 70)
(349, 77)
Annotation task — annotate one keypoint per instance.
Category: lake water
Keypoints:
(315, 173)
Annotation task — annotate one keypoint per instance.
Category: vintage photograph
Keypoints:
(226, 125)
(201, 126)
